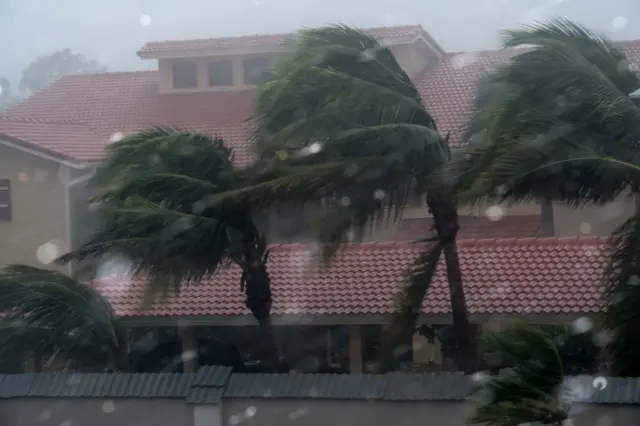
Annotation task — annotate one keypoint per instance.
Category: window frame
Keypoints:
(253, 81)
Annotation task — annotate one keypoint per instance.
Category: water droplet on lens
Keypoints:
(345, 201)
(585, 228)
(619, 23)
(250, 412)
(109, 407)
(582, 325)
(145, 20)
(600, 383)
(494, 213)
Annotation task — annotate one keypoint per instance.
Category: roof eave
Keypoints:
(39, 151)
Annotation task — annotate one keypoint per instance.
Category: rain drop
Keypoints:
(494, 213)
(40, 176)
(634, 280)
(582, 325)
(23, 176)
(619, 23)
(48, 252)
(108, 407)
(145, 20)
(300, 412)
(605, 421)
(116, 137)
(368, 54)
(585, 228)
(600, 383)
(315, 148)
(479, 377)
(250, 412)
(235, 419)
(378, 194)
(67, 422)
(45, 415)
(345, 201)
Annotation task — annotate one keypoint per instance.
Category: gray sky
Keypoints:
(111, 30)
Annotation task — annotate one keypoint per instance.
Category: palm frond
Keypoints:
(155, 195)
(340, 105)
(408, 308)
(540, 119)
(623, 295)
(528, 392)
(48, 313)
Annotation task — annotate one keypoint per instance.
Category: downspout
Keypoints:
(69, 185)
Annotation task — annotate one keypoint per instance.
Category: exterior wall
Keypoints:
(94, 412)
(592, 219)
(38, 206)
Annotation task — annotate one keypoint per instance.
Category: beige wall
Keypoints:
(38, 206)
(592, 219)
(94, 412)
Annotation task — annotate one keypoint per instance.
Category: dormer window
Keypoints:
(220, 73)
(185, 75)
(255, 70)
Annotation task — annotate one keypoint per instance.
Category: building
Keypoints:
(518, 262)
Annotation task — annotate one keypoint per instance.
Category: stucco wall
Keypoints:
(95, 412)
(38, 205)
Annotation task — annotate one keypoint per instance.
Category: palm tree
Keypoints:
(48, 314)
(154, 193)
(339, 123)
(557, 123)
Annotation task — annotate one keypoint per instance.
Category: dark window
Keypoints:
(185, 75)
(255, 70)
(5, 200)
(220, 73)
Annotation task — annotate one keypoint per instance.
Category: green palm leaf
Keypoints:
(48, 313)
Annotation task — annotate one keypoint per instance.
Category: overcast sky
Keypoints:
(112, 30)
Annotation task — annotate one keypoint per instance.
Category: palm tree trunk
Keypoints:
(258, 301)
(445, 223)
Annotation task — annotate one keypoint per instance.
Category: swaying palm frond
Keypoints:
(154, 193)
(542, 121)
(341, 122)
(623, 293)
(529, 391)
(48, 313)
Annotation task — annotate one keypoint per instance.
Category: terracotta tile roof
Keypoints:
(400, 33)
(472, 227)
(129, 102)
(505, 276)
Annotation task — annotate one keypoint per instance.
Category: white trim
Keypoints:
(42, 154)
(67, 201)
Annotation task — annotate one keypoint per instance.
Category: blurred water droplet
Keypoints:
(145, 20)
(619, 23)
(315, 148)
(634, 280)
(368, 54)
(108, 407)
(23, 176)
(235, 419)
(188, 355)
(605, 421)
(600, 383)
(67, 422)
(378, 194)
(582, 325)
(479, 376)
(494, 213)
(585, 228)
(300, 412)
(116, 137)
(49, 251)
(351, 170)
(464, 59)
(114, 266)
(501, 190)
(45, 415)
(250, 412)
(345, 201)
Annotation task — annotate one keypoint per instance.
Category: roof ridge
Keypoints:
(416, 27)
(464, 242)
(40, 120)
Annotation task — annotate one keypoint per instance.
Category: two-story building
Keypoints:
(542, 263)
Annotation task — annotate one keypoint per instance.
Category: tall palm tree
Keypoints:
(46, 314)
(341, 124)
(154, 193)
(556, 122)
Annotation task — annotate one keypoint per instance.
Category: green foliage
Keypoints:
(52, 315)
(553, 122)
(530, 390)
(46, 69)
